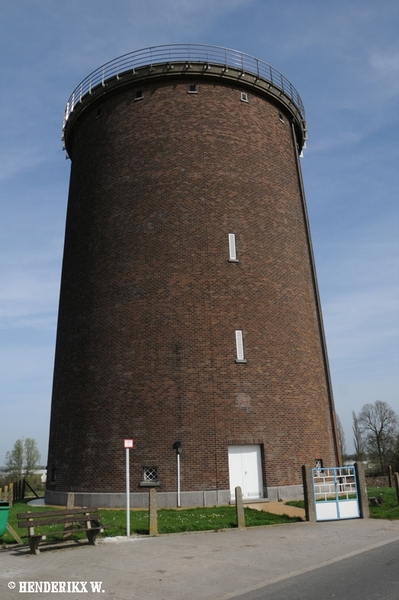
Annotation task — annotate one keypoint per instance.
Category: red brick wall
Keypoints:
(150, 304)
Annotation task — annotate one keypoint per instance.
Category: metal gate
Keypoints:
(335, 493)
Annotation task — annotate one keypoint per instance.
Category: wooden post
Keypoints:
(67, 535)
(152, 513)
(362, 491)
(239, 508)
(396, 476)
(14, 534)
(390, 476)
(307, 478)
(11, 494)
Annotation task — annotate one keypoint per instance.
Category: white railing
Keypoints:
(189, 53)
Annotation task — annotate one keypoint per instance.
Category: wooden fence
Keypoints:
(13, 492)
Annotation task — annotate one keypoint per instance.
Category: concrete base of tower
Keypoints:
(285, 493)
(168, 499)
(140, 500)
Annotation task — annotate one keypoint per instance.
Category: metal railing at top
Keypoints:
(199, 53)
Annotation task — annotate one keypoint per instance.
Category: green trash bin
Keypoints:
(4, 510)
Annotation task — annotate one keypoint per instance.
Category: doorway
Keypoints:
(245, 470)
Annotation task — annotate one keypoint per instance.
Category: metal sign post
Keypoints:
(127, 445)
(178, 448)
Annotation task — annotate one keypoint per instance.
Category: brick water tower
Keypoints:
(189, 316)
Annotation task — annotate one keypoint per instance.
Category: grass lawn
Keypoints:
(194, 519)
(169, 521)
(390, 508)
(297, 503)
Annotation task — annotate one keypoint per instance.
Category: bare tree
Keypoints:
(358, 439)
(23, 459)
(341, 438)
(14, 460)
(32, 456)
(379, 423)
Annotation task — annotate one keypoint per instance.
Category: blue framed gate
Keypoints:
(335, 493)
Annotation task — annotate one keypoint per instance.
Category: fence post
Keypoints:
(70, 503)
(11, 494)
(239, 508)
(390, 476)
(17, 490)
(396, 476)
(67, 535)
(307, 478)
(152, 513)
(362, 491)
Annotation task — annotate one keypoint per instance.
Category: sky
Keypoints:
(342, 57)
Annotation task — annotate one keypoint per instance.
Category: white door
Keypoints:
(245, 470)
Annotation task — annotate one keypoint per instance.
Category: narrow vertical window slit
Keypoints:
(232, 248)
(240, 347)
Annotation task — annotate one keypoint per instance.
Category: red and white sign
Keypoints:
(128, 443)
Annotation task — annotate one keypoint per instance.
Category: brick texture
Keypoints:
(150, 303)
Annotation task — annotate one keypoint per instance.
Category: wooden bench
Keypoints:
(73, 519)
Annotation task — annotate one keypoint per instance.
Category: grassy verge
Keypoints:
(169, 521)
(297, 503)
(389, 510)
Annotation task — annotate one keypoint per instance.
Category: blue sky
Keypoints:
(343, 58)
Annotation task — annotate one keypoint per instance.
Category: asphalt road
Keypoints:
(349, 559)
(367, 576)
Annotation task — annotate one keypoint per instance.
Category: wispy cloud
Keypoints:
(19, 159)
(385, 71)
(29, 291)
(386, 65)
(342, 137)
(25, 388)
(359, 324)
(29, 309)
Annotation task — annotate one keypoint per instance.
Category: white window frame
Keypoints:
(150, 474)
(240, 357)
(232, 248)
(148, 477)
(138, 96)
(192, 88)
